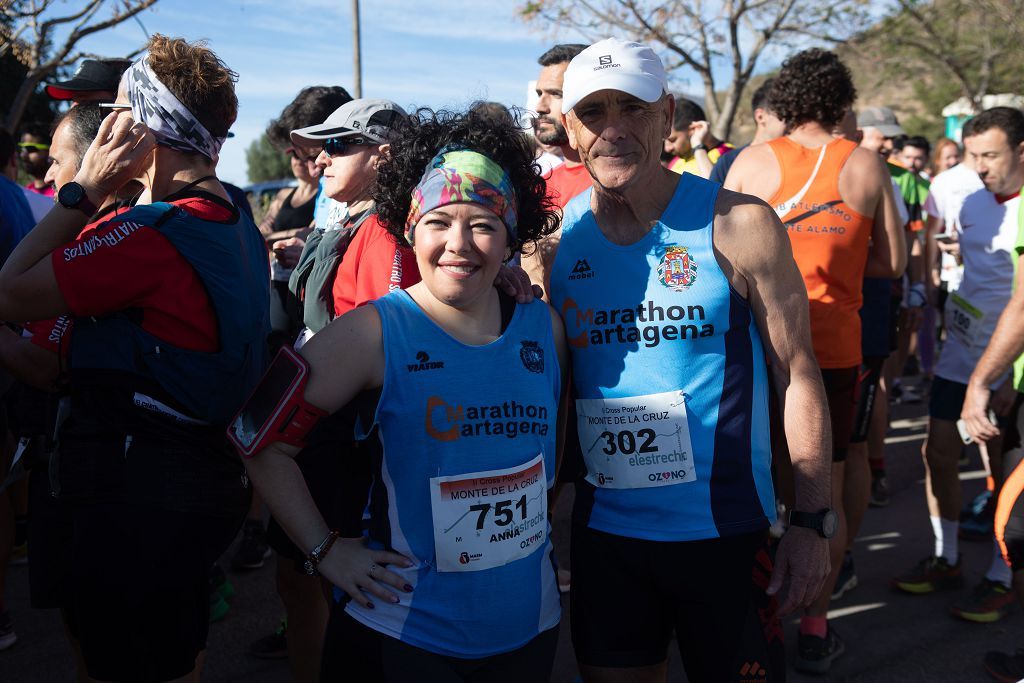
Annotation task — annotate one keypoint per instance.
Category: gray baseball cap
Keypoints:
(365, 117)
(882, 118)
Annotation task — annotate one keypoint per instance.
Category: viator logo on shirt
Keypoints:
(423, 362)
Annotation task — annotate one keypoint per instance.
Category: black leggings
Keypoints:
(354, 652)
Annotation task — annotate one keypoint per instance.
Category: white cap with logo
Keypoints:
(614, 64)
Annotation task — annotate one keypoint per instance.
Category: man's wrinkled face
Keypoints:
(547, 127)
(618, 136)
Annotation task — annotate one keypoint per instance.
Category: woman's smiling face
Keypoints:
(459, 249)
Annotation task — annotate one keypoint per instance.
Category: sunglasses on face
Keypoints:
(30, 147)
(298, 156)
(337, 146)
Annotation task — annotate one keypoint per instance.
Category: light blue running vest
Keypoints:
(446, 410)
(670, 377)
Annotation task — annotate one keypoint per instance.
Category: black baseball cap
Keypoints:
(92, 74)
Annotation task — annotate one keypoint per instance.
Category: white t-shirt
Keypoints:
(988, 231)
(945, 197)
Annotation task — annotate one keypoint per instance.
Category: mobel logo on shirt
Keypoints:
(647, 323)
(450, 421)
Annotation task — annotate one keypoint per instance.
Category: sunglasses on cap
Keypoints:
(337, 146)
(33, 146)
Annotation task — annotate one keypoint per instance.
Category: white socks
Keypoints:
(999, 571)
(945, 538)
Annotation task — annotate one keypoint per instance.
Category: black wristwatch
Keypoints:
(700, 145)
(825, 522)
(72, 196)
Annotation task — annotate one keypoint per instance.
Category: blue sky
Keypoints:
(439, 53)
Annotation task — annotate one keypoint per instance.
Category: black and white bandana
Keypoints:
(171, 122)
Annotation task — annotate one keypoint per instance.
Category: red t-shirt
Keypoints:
(565, 182)
(120, 264)
(373, 265)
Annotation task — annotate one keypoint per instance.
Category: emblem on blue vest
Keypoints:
(677, 269)
(532, 356)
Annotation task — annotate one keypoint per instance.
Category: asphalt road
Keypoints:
(890, 637)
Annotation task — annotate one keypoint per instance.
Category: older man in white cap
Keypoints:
(673, 293)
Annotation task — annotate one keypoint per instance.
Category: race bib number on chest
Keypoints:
(636, 442)
(488, 519)
(964, 321)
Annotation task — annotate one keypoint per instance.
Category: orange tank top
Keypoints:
(830, 244)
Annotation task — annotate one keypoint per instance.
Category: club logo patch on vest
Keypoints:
(532, 356)
(677, 270)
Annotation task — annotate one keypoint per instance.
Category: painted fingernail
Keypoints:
(370, 605)
(408, 588)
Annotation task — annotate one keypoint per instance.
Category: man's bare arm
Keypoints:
(1005, 346)
(758, 260)
(887, 257)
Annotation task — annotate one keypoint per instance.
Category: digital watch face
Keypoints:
(263, 408)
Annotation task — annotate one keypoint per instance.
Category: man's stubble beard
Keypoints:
(556, 137)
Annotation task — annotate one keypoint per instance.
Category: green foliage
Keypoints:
(266, 162)
(954, 48)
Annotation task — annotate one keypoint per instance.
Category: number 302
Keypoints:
(624, 442)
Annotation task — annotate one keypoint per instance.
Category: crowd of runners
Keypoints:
(451, 318)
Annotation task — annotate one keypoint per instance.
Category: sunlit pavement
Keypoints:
(889, 636)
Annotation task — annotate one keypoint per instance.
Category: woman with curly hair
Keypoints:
(455, 580)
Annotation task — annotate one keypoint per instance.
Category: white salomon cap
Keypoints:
(614, 64)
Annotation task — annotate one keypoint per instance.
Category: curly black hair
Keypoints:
(813, 86)
(419, 137)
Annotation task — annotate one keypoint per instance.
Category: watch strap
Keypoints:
(82, 203)
(318, 553)
(700, 146)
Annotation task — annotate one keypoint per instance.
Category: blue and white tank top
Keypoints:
(468, 436)
(670, 377)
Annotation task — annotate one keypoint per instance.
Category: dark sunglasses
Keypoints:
(294, 153)
(337, 146)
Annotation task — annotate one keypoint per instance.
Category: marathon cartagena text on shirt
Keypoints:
(683, 425)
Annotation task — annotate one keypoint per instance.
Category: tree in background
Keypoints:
(708, 37)
(44, 38)
(12, 73)
(266, 162)
(951, 48)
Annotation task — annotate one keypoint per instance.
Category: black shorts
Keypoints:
(355, 652)
(867, 392)
(337, 470)
(147, 523)
(946, 399)
(840, 390)
(630, 595)
(573, 466)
